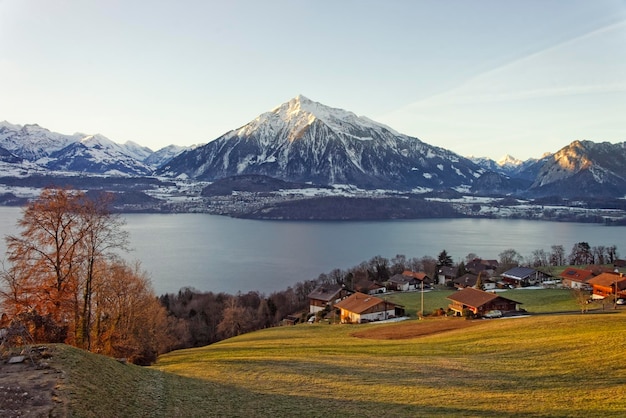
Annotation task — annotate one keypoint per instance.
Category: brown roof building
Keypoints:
(479, 302)
(360, 307)
(324, 296)
(606, 284)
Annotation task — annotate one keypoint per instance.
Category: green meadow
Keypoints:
(561, 365)
(533, 300)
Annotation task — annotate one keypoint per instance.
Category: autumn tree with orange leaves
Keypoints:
(63, 268)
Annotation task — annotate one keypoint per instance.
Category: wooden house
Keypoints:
(402, 283)
(419, 275)
(470, 280)
(323, 296)
(446, 274)
(369, 287)
(607, 284)
(359, 307)
(466, 280)
(486, 268)
(479, 302)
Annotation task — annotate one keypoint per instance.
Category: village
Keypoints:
(477, 296)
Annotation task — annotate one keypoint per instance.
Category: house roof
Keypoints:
(419, 275)
(609, 280)
(360, 302)
(474, 297)
(367, 284)
(479, 264)
(447, 271)
(468, 279)
(519, 272)
(577, 275)
(401, 278)
(325, 293)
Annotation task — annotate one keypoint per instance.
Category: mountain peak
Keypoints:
(302, 111)
(301, 104)
(509, 161)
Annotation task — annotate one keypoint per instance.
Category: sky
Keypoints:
(480, 78)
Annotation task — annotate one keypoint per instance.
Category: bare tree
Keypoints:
(509, 258)
(599, 254)
(581, 254)
(582, 299)
(539, 258)
(234, 321)
(557, 255)
(102, 233)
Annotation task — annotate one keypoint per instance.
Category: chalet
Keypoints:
(606, 284)
(323, 296)
(419, 275)
(576, 278)
(369, 287)
(523, 277)
(479, 302)
(478, 265)
(446, 274)
(360, 307)
(466, 280)
(403, 283)
(470, 280)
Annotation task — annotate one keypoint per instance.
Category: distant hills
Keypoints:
(305, 142)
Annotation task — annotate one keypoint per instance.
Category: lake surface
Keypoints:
(221, 254)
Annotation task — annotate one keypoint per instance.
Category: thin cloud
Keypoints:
(577, 66)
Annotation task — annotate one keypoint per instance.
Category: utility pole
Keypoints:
(422, 309)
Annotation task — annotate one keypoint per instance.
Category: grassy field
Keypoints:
(535, 301)
(537, 366)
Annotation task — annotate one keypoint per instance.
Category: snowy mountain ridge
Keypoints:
(78, 152)
(305, 141)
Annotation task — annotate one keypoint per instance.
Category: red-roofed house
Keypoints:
(360, 307)
(576, 278)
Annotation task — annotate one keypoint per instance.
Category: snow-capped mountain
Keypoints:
(508, 162)
(96, 154)
(305, 141)
(133, 149)
(583, 169)
(507, 165)
(79, 152)
(33, 142)
(164, 155)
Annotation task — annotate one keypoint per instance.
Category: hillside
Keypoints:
(548, 365)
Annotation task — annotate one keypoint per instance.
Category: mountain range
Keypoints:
(303, 141)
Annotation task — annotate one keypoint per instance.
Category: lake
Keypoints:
(221, 254)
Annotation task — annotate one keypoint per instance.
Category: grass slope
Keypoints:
(538, 366)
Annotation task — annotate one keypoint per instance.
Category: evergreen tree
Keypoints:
(444, 259)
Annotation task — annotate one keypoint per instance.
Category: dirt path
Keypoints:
(414, 329)
(28, 384)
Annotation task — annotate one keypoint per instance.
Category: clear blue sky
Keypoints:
(479, 77)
